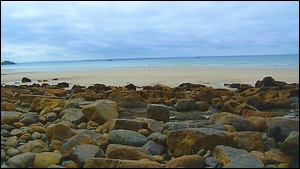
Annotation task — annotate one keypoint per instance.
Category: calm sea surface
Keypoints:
(275, 61)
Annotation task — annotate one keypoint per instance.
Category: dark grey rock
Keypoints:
(212, 162)
(127, 137)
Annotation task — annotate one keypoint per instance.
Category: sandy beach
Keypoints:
(170, 76)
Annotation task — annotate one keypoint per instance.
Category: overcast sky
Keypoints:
(46, 31)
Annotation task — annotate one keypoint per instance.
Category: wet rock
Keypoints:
(25, 80)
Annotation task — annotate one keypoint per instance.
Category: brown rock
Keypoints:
(118, 151)
(260, 155)
(33, 146)
(206, 94)
(9, 117)
(248, 140)
(116, 163)
(7, 106)
(57, 92)
(279, 156)
(128, 99)
(158, 112)
(191, 140)
(101, 111)
(45, 159)
(186, 161)
(127, 124)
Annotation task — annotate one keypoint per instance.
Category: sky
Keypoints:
(79, 30)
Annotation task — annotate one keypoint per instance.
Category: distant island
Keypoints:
(7, 63)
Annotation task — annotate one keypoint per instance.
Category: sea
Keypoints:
(244, 61)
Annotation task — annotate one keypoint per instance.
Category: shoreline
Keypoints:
(213, 76)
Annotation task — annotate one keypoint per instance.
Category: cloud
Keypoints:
(97, 30)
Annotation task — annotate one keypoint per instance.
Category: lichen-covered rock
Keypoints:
(152, 125)
(185, 104)
(101, 111)
(45, 159)
(248, 140)
(7, 106)
(127, 124)
(128, 99)
(116, 163)
(34, 146)
(191, 140)
(235, 158)
(118, 151)
(158, 112)
(187, 161)
(127, 137)
(279, 156)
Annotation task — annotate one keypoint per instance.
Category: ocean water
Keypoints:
(275, 61)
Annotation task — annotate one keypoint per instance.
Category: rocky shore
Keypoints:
(190, 126)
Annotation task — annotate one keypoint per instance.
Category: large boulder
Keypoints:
(185, 104)
(235, 158)
(188, 161)
(191, 140)
(128, 99)
(158, 112)
(117, 151)
(101, 111)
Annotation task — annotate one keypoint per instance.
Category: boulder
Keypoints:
(128, 99)
(191, 140)
(158, 112)
(9, 117)
(187, 161)
(45, 159)
(185, 104)
(127, 137)
(235, 158)
(117, 151)
(81, 153)
(127, 124)
(101, 111)
(116, 163)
